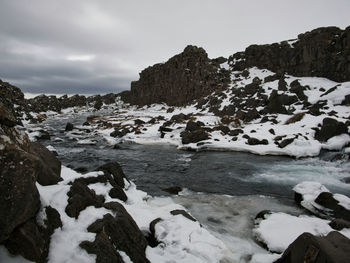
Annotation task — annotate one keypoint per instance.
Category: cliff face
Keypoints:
(181, 79)
(323, 52)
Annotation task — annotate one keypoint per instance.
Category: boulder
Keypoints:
(309, 248)
(183, 213)
(50, 172)
(327, 200)
(172, 189)
(194, 137)
(285, 142)
(21, 200)
(330, 128)
(80, 197)
(114, 173)
(339, 224)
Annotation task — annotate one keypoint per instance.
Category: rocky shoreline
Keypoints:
(52, 213)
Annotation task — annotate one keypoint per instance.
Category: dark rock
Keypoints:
(183, 78)
(117, 192)
(114, 172)
(308, 248)
(251, 115)
(272, 78)
(194, 137)
(330, 127)
(285, 142)
(81, 169)
(103, 248)
(262, 214)
(296, 88)
(224, 129)
(18, 192)
(183, 213)
(340, 157)
(179, 118)
(235, 132)
(122, 233)
(43, 135)
(275, 104)
(339, 224)
(151, 235)
(272, 131)
(80, 197)
(282, 84)
(53, 219)
(172, 190)
(69, 127)
(170, 110)
(139, 122)
(327, 200)
(50, 172)
(346, 100)
(119, 132)
(192, 126)
(313, 54)
(255, 141)
(27, 241)
(6, 117)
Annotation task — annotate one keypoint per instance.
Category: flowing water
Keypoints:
(223, 190)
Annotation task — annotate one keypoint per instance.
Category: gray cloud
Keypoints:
(85, 46)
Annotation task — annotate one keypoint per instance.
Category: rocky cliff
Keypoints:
(322, 52)
(184, 77)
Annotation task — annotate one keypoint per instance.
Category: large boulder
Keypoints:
(21, 199)
(330, 128)
(308, 248)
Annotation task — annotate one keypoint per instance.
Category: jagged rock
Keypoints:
(114, 172)
(192, 126)
(272, 131)
(151, 235)
(119, 132)
(296, 88)
(120, 232)
(183, 213)
(313, 54)
(183, 78)
(327, 200)
(309, 248)
(330, 127)
(179, 118)
(346, 100)
(80, 197)
(7, 118)
(69, 126)
(50, 172)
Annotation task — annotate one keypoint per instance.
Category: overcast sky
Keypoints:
(82, 46)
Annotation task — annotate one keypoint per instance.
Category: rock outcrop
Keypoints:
(322, 52)
(183, 78)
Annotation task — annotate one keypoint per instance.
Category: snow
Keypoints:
(279, 230)
(182, 238)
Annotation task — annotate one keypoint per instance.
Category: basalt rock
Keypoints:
(187, 76)
(309, 248)
(322, 52)
(330, 127)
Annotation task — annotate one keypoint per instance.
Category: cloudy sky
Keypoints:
(89, 47)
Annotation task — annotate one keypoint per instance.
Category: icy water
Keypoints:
(223, 190)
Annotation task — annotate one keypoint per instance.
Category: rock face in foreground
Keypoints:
(308, 248)
(181, 79)
(322, 52)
